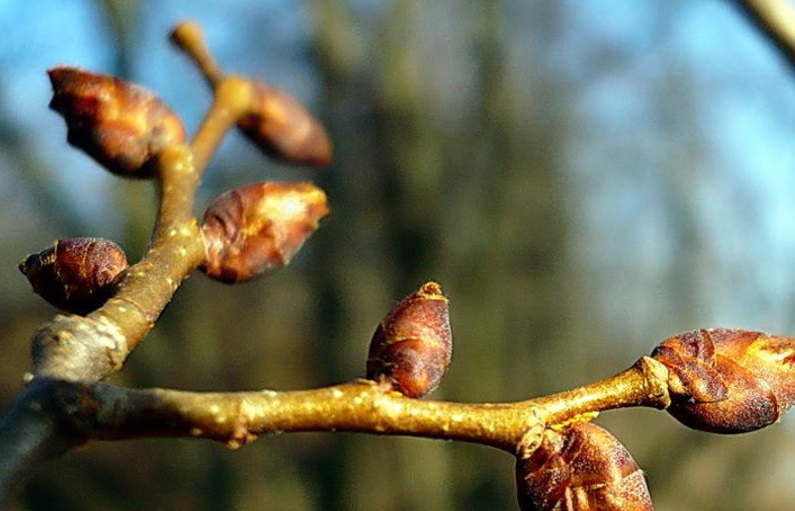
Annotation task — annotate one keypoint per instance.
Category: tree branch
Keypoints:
(87, 349)
(105, 412)
(64, 403)
(776, 19)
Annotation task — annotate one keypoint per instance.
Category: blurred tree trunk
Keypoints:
(475, 203)
(380, 194)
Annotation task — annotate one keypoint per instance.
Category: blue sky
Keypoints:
(655, 74)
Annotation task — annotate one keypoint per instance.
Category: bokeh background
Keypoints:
(585, 178)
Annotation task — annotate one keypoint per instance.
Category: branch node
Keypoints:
(532, 437)
(656, 376)
(78, 348)
(241, 434)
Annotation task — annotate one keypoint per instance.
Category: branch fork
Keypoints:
(720, 380)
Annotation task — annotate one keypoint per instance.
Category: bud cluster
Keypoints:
(246, 231)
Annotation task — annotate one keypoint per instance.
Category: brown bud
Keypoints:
(412, 346)
(250, 230)
(580, 468)
(728, 380)
(285, 130)
(121, 125)
(75, 275)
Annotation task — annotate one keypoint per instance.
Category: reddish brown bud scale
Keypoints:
(121, 125)
(259, 227)
(76, 275)
(285, 130)
(413, 345)
(580, 468)
(729, 380)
